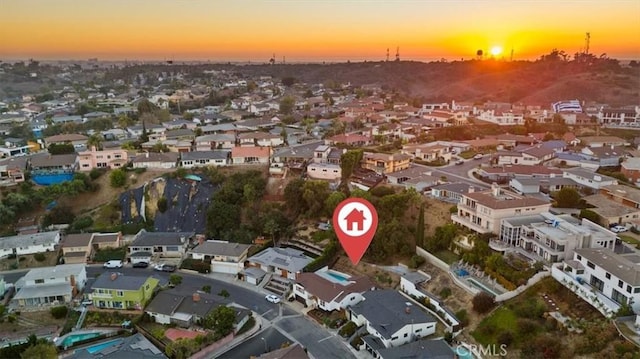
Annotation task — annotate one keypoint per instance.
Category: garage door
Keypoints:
(231, 268)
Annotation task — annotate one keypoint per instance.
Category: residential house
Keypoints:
(611, 211)
(429, 152)
(589, 179)
(483, 211)
(194, 159)
(626, 195)
(108, 158)
(215, 141)
(134, 346)
(79, 248)
(12, 170)
(29, 243)
(630, 168)
(451, 192)
(49, 286)
(436, 348)
(182, 309)
(604, 277)
(502, 118)
(179, 124)
(603, 141)
(606, 156)
(224, 257)
(325, 164)
(348, 139)
(153, 130)
(541, 185)
(628, 116)
(414, 284)
(77, 140)
(44, 164)
(391, 318)
(162, 244)
(117, 291)
(172, 145)
(285, 262)
(181, 134)
(329, 290)
(153, 160)
(261, 139)
(503, 174)
(250, 155)
(416, 177)
(76, 248)
(550, 238)
(385, 163)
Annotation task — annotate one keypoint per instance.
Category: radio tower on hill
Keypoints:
(398, 53)
(387, 54)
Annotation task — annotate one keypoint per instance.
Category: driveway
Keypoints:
(319, 342)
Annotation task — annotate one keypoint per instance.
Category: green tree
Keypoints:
(118, 178)
(271, 227)
(292, 195)
(223, 293)
(61, 149)
(590, 215)
(333, 201)
(350, 161)
(288, 81)
(482, 302)
(40, 351)
(221, 320)
(206, 288)
(314, 194)
(175, 279)
(287, 105)
(162, 204)
(567, 198)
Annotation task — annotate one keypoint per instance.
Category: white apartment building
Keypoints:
(553, 238)
(483, 211)
(603, 277)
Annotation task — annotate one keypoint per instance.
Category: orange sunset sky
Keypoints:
(313, 30)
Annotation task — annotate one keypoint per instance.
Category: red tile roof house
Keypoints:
(349, 140)
(250, 155)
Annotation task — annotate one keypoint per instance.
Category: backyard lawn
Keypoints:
(630, 240)
(447, 256)
(501, 320)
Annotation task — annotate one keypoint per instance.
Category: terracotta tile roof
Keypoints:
(259, 152)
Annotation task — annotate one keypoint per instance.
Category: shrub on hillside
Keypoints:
(196, 265)
(482, 302)
(40, 257)
(59, 312)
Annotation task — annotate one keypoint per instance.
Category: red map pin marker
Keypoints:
(355, 221)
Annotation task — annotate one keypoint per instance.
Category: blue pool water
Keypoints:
(461, 272)
(46, 180)
(337, 276)
(74, 338)
(479, 285)
(98, 347)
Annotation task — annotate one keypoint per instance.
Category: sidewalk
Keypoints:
(232, 279)
(260, 325)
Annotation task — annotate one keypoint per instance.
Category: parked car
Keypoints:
(162, 267)
(140, 265)
(87, 302)
(618, 229)
(115, 263)
(272, 298)
(478, 156)
(459, 162)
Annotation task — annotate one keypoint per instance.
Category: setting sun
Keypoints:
(496, 51)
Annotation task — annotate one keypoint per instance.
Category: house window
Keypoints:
(406, 335)
(591, 265)
(39, 281)
(628, 288)
(394, 338)
(172, 248)
(636, 290)
(418, 330)
(120, 293)
(579, 257)
(607, 275)
(620, 284)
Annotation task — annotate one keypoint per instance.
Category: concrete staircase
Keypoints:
(278, 285)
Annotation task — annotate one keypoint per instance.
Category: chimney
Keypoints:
(114, 276)
(407, 309)
(196, 297)
(471, 189)
(495, 189)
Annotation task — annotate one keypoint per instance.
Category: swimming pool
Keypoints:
(479, 285)
(98, 347)
(461, 272)
(74, 338)
(49, 179)
(337, 276)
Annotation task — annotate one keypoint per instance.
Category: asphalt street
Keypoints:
(459, 173)
(263, 342)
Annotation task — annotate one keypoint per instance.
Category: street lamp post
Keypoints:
(265, 345)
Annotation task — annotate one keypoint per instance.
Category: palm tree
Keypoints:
(95, 140)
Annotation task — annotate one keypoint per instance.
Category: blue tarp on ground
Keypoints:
(184, 213)
(125, 207)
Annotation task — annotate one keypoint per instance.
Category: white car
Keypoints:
(272, 298)
(113, 264)
(618, 229)
(158, 267)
